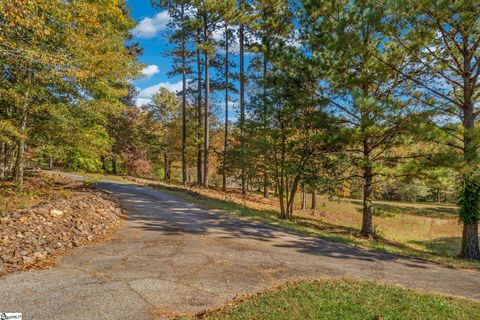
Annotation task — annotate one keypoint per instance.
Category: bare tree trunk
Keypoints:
(199, 115)
(291, 196)
(12, 152)
(242, 98)
(114, 165)
(21, 149)
(314, 199)
(206, 142)
(304, 198)
(184, 106)
(281, 196)
(104, 164)
(3, 160)
(165, 165)
(225, 140)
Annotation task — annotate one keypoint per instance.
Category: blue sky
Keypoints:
(150, 33)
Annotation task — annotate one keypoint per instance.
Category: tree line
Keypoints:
(65, 73)
(367, 99)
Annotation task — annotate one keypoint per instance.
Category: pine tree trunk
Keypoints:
(283, 186)
(470, 248)
(199, 115)
(265, 111)
(242, 99)
(225, 140)
(206, 142)
(184, 106)
(50, 163)
(367, 224)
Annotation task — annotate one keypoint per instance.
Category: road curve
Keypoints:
(174, 257)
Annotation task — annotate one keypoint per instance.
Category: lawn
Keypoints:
(344, 299)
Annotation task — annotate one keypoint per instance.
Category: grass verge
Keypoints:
(344, 299)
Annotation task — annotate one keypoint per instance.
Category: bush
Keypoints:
(91, 181)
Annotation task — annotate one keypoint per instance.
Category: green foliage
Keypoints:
(91, 181)
(469, 198)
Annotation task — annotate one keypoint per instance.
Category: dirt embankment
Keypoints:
(76, 216)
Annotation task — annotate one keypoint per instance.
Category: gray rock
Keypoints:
(43, 211)
(39, 255)
(56, 212)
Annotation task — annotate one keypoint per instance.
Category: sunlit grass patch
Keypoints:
(344, 299)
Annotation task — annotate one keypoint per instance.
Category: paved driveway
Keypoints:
(175, 256)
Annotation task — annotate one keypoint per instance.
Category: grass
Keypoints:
(345, 299)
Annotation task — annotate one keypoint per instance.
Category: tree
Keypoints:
(271, 24)
(61, 56)
(368, 96)
(241, 40)
(180, 32)
(210, 15)
(229, 87)
(163, 117)
(443, 38)
(300, 130)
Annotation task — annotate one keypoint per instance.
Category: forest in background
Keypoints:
(361, 99)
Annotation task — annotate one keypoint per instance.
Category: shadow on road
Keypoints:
(158, 211)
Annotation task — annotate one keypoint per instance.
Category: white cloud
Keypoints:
(145, 95)
(150, 70)
(149, 27)
(142, 102)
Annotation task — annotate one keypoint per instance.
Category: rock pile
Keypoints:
(29, 237)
